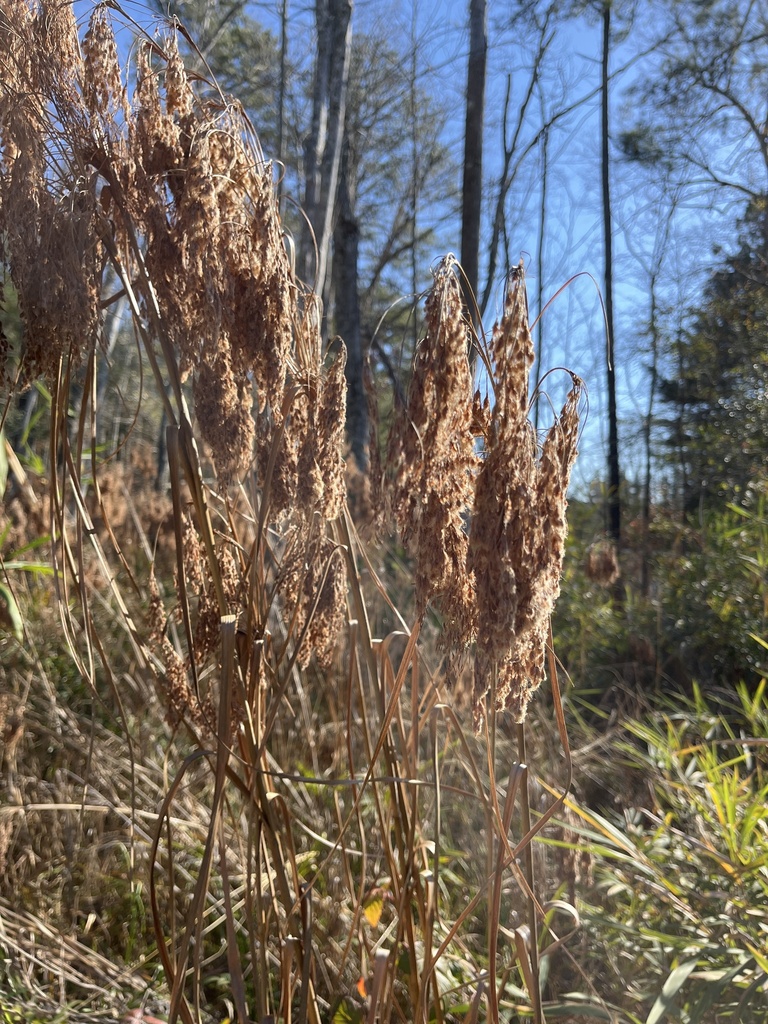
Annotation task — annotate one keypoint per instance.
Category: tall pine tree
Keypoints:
(717, 387)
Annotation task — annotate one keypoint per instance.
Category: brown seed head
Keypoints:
(103, 90)
(224, 411)
(432, 456)
(330, 432)
(327, 586)
(602, 564)
(179, 98)
(517, 538)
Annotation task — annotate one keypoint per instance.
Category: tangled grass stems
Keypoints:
(171, 195)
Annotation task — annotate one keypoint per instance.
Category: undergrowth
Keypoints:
(681, 874)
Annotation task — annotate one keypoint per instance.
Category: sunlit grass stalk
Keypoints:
(273, 588)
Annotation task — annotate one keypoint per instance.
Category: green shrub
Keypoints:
(678, 916)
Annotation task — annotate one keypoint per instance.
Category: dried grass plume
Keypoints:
(487, 531)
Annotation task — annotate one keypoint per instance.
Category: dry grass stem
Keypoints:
(244, 610)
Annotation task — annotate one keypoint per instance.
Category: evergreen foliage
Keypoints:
(717, 390)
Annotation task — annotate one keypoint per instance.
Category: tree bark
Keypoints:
(540, 266)
(281, 93)
(471, 193)
(614, 475)
(323, 153)
(346, 241)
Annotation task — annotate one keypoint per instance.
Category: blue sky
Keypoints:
(574, 333)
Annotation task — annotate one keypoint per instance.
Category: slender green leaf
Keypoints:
(10, 617)
(579, 1010)
(3, 464)
(31, 545)
(672, 986)
(714, 988)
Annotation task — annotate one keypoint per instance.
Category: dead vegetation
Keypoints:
(287, 830)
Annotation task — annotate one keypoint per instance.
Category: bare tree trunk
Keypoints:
(323, 154)
(686, 486)
(657, 269)
(346, 240)
(414, 173)
(614, 476)
(645, 575)
(509, 170)
(540, 262)
(282, 91)
(471, 193)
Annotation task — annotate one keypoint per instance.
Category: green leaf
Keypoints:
(347, 1013)
(579, 1010)
(672, 986)
(760, 958)
(31, 545)
(43, 568)
(737, 509)
(714, 989)
(3, 464)
(10, 617)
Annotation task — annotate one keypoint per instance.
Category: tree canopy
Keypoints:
(717, 387)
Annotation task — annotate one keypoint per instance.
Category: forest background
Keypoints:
(623, 156)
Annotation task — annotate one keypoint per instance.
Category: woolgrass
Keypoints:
(337, 760)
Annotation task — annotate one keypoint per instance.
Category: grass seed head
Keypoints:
(156, 618)
(495, 575)
(265, 306)
(330, 431)
(517, 536)
(48, 212)
(281, 445)
(504, 512)
(357, 483)
(103, 89)
(602, 564)
(310, 485)
(223, 405)
(155, 136)
(57, 60)
(327, 585)
(432, 455)
(378, 498)
(182, 702)
(179, 98)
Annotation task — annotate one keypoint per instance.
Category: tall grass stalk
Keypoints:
(334, 872)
